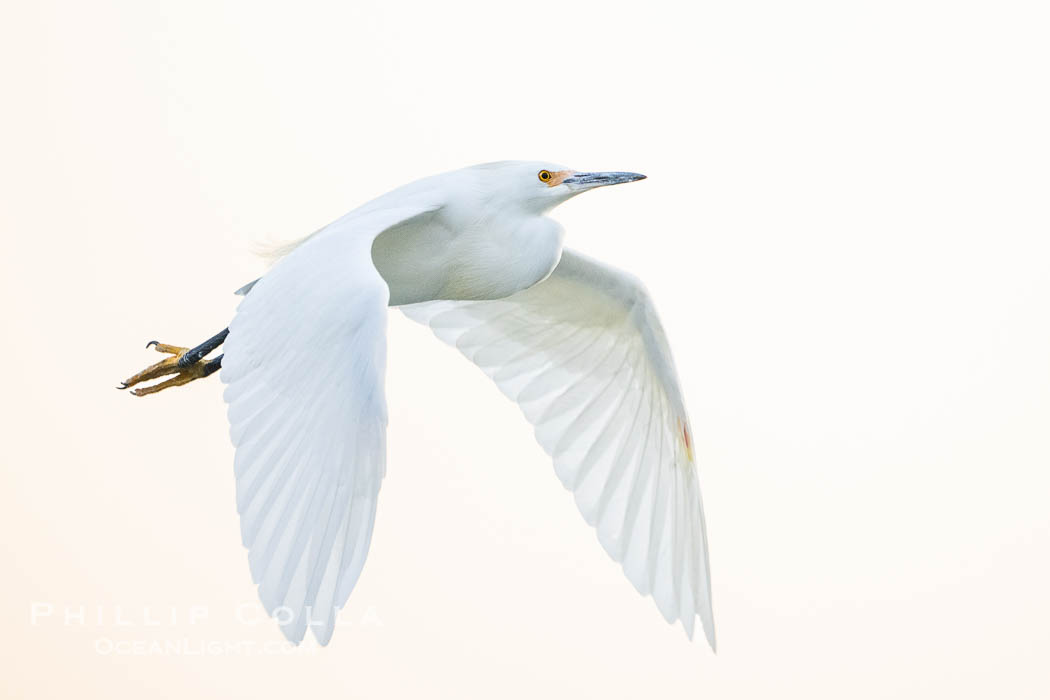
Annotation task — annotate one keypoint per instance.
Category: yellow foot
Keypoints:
(183, 374)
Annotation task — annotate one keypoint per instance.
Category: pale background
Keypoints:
(845, 229)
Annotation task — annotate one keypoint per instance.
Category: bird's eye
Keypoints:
(545, 175)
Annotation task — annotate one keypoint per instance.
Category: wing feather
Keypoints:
(304, 369)
(584, 356)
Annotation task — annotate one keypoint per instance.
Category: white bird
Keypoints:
(473, 254)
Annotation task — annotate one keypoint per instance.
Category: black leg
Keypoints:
(194, 355)
(211, 366)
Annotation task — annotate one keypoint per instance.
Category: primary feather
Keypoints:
(584, 356)
(575, 343)
(304, 366)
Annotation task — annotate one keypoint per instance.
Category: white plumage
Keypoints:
(576, 344)
(584, 356)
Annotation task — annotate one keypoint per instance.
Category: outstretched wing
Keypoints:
(304, 363)
(585, 357)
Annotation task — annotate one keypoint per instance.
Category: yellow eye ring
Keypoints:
(545, 176)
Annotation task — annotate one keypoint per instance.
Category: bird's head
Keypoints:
(539, 186)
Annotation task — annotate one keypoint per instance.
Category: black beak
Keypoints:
(579, 182)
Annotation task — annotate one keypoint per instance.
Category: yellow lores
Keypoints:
(474, 255)
(556, 178)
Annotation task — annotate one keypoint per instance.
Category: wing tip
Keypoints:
(293, 632)
(689, 625)
(323, 634)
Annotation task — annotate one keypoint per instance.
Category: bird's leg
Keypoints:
(185, 363)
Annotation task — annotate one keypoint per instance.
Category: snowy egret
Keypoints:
(575, 343)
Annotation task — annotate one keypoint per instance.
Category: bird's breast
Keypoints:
(434, 258)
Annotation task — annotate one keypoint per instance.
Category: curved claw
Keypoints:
(184, 363)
